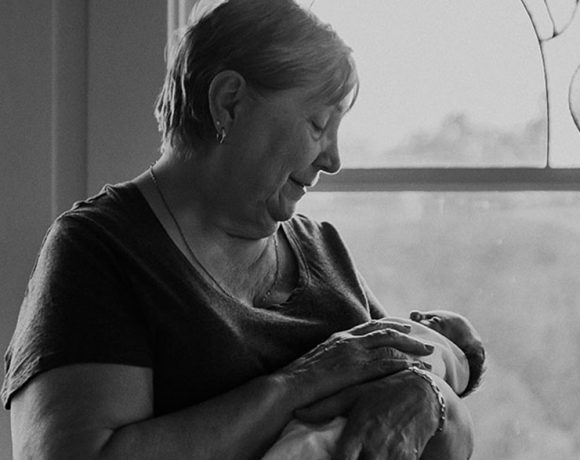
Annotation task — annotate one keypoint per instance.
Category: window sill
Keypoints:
(451, 179)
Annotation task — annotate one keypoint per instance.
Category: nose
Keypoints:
(328, 160)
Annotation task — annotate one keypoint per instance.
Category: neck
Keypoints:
(243, 266)
(199, 190)
(215, 251)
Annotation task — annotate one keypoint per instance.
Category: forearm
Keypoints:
(455, 442)
(100, 411)
(240, 424)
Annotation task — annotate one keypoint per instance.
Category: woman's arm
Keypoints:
(95, 411)
(106, 411)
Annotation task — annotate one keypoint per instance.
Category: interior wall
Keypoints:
(125, 70)
(25, 157)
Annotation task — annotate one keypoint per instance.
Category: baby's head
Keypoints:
(460, 331)
(455, 327)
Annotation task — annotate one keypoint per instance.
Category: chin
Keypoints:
(282, 212)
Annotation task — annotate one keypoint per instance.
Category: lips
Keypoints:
(306, 183)
(298, 183)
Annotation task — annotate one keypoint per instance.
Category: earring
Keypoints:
(221, 133)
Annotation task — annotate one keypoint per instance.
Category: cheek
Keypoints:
(294, 151)
(287, 148)
(304, 149)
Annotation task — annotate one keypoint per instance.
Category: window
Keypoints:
(460, 191)
(438, 87)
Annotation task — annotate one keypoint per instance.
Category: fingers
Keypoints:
(393, 339)
(377, 325)
(386, 363)
(358, 441)
(431, 320)
(366, 352)
(349, 444)
(418, 316)
(363, 439)
(386, 333)
(347, 451)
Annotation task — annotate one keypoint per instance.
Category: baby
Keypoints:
(458, 358)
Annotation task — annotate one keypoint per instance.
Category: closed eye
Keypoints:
(317, 129)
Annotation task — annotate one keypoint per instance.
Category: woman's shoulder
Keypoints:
(111, 200)
(316, 236)
(307, 226)
(116, 216)
(114, 206)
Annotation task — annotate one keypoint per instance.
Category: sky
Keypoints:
(422, 60)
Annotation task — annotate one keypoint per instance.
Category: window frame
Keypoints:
(451, 179)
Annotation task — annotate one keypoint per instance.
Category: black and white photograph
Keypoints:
(290, 229)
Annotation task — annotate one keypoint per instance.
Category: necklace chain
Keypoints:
(268, 293)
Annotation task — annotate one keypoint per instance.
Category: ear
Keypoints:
(226, 91)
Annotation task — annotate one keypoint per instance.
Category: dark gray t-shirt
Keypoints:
(110, 286)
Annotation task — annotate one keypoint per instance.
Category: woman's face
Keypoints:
(278, 146)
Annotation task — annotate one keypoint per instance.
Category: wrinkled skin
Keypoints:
(366, 352)
(389, 418)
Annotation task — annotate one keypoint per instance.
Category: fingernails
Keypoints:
(429, 348)
(427, 365)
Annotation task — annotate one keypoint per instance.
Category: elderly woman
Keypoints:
(189, 313)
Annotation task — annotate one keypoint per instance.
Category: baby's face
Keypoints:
(452, 325)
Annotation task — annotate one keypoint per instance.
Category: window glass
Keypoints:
(510, 262)
(457, 83)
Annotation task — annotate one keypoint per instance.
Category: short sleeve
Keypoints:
(78, 308)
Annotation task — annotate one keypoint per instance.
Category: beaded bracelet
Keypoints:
(440, 399)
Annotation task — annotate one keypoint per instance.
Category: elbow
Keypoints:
(42, 445)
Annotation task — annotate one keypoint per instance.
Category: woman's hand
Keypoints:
(392, 417)
(396, 417)
(366, 352)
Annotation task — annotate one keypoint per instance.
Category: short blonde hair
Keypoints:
(274, 44)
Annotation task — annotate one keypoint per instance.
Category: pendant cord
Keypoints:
(268, 293)
(276, 273)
